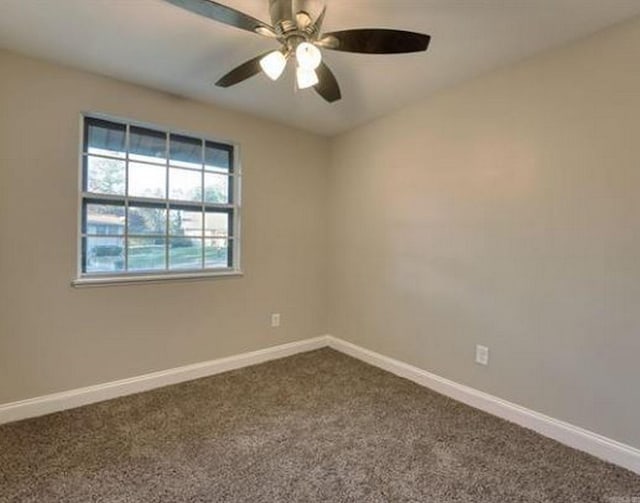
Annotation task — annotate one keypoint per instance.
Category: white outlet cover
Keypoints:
(482, 355)
(275, 320)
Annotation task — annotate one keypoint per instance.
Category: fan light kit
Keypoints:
(273, 64)
(306, 78)
(301, 40)
(308, 55)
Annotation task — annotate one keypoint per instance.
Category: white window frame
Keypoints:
(104, 279)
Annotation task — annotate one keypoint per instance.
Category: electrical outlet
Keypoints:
(275, 320)
(482, 355)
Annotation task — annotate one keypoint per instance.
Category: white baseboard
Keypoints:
(568, 434)
(55, 402)
(565, 433)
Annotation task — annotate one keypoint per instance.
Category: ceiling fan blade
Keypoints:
(375, 41)
(243, 72)
(327, 87)
(227, 15)
(320, 20)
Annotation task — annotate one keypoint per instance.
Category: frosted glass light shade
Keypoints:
(273, 64)
(308, 56)
(306, 78)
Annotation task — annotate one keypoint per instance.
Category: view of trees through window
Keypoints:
(155, 201)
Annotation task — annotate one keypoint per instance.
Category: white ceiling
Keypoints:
(154, 43)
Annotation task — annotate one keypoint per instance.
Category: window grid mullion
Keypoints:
(159, 201)
(167, 205)
(126, 198)
(202, 189)
(150, 236)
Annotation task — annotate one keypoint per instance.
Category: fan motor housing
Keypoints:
(284, 16)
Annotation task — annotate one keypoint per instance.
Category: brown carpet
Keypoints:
(319, 426)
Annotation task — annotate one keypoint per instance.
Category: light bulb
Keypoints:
(273, 64)
(308, 56)
(306, 78)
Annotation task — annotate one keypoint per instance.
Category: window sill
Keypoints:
(97, 281)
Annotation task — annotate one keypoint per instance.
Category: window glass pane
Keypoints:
(185, 152)
(216, 188)
(217, 157)
(217, 253)
(147, 145)
(185, 185)
(105, 176)
(147, 219)
(105, 138)
(185, 253)
(103, 254)
(146, 180)
(146, 254)
(185, 222)
(216, 224)
(104, 219)
(130, 175)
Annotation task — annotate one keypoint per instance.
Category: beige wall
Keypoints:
(504, 212)
(54, 337)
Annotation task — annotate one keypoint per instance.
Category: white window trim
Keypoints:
(90, 280)
(133, 278)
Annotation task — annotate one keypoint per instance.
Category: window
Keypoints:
(156, 203)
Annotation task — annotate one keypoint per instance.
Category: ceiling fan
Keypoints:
(301, 39)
